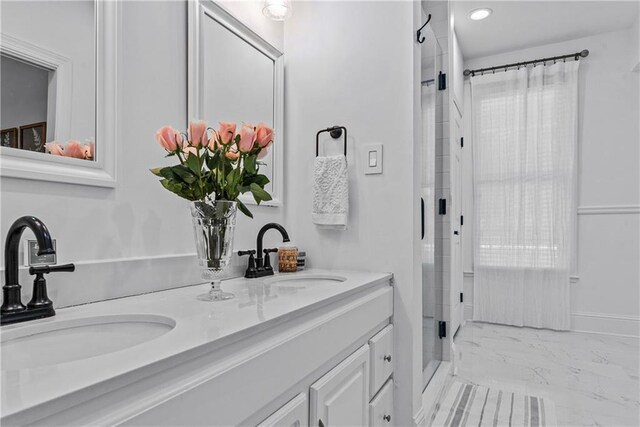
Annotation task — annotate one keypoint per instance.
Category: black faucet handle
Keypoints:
(251, 265)
(267, 258)
(46, 269)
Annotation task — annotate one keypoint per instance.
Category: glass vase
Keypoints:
(213, 228)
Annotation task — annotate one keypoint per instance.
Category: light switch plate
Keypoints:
(372, 159)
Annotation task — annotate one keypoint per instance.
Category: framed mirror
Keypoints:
(58, 94)
(235, 76)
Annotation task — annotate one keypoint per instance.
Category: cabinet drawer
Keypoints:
(381, 407)
(381, 346)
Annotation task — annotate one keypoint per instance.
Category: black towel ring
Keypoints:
(335, 132)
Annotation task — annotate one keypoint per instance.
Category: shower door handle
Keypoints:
(421, 218)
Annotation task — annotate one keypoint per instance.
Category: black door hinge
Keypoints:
(442, 329)
(442, 206)
(442, 81)
(461, 142)
(461, 297)
(461, 219)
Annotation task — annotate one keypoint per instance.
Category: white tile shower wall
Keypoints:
(605, 297)
(138, 226)
(343, 67)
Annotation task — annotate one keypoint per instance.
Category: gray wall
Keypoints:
(24, 93)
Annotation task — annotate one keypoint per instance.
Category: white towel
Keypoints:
(330, 192)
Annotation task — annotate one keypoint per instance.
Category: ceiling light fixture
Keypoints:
(278, 10)
(478, 14)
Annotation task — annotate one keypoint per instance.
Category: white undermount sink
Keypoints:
(303, 280)
(52, 343)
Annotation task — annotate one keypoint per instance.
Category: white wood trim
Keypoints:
(572, 279)
(606, 324)
(609, 210)
(198, 10)
(101, 172)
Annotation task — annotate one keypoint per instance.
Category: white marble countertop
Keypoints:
(197, 324)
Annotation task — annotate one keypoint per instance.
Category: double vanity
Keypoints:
(308, 348)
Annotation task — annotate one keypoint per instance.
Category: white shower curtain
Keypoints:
(524, 169)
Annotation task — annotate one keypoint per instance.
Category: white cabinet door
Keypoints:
(381, 348)
(294, 414)
(381, 407)
(341, 397)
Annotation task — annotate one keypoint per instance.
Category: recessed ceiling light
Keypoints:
(278, 10)
(478, 14)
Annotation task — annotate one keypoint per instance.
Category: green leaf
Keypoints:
(258, 193)
(261, 180)
(194, 164)
(168, 173)
(156, 171)
(184, 173)
(250, 164)
(177, 189)
(244, 209)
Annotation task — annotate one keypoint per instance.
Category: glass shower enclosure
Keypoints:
(432, 105)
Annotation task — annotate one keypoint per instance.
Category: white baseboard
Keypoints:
(593, 323)
(100, 280)
(607, 324)
(609, 210)
(588, 322)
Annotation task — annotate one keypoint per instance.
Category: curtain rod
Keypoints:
(575, 56)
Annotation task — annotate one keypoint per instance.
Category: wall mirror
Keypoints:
(235, 76)
(57, 94)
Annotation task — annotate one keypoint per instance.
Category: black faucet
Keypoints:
(260, 267)
(12, 310)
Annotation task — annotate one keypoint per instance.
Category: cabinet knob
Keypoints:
(387, 418)
(387, 358)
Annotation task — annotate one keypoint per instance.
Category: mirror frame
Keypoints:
(38, 166)
(208, 9)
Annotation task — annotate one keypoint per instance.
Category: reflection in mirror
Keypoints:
(242, 89)
(48, 101)
(234, 76)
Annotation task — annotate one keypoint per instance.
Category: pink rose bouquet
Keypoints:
(216, 164)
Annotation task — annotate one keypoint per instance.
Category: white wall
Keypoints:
(605, 297)
(24, 91)
(137, 228)
(343, 68)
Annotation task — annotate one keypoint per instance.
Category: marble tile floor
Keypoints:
(592, 379)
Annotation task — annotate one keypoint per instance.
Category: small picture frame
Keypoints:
(32, 137)
(9, 138)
